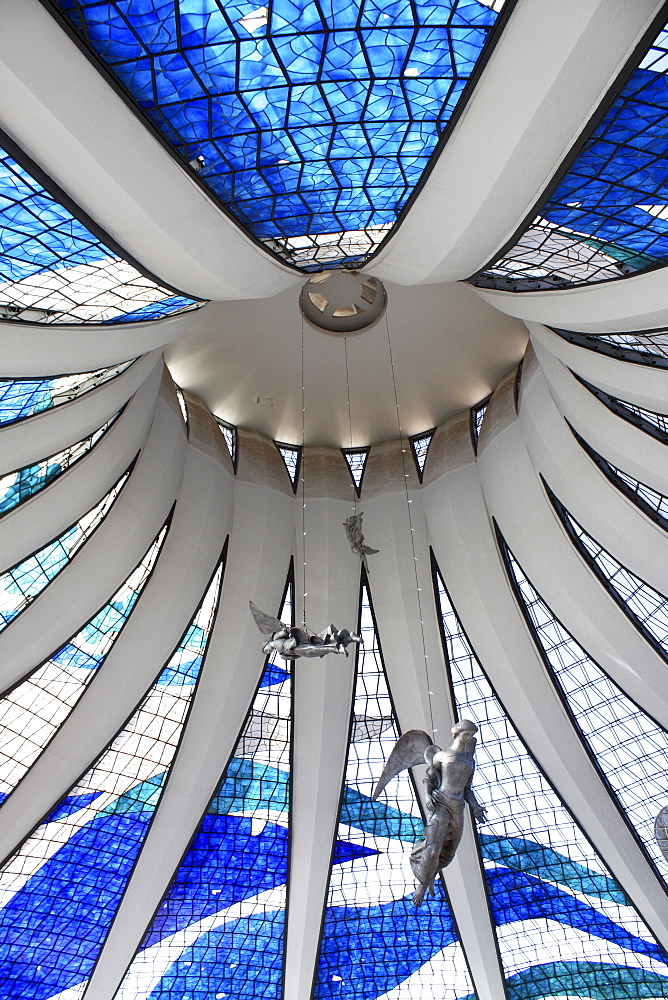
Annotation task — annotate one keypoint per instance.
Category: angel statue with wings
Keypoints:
(448, 784)
(291, 642)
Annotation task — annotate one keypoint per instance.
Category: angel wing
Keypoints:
(409, 750)
(661, 831)
(265, 623)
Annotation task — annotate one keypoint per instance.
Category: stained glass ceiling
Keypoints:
(311, 122)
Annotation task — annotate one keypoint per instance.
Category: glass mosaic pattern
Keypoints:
(32, 712)
(477, 416)
(292, 457)
(23, 483)
(56, 911)
(646, 607)
(356, 462)
(629, 747)
(609, 214)
(53, 269)
(564, 926)
(652, 423)
(647, 348)
(312, 123)
(21, 584)
(419, 448)
(220, 927)
(20, 398)
(416, 952)
(229, 432)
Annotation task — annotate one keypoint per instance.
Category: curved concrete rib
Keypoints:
(418, 695)
(49, 431)
(42, 517)
(30, 349)
(62, 111)
(258, 558)
(515, 497)
(108, 557)
(153, 630)
(616, 523)
(323, 691)
(509, 142)
(641, 384)
(624, 304)
(620, 442)
(467, 555)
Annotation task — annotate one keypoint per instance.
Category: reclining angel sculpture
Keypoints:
(291, 642)
(448, 782)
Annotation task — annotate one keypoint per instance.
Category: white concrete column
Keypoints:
(49, 431)
(108, 557)
(464, 545)
(258, 558)
(44, 516)
(153, 631)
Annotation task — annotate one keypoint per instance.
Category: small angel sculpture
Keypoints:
(292, 642)
(353, 526)
(661, 831)
(448, 784)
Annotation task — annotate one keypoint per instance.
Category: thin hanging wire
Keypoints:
(404, 444)
(350, 421)
(301, 473)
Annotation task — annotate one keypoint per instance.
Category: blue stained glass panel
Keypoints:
(311, 123)
(375, 942)
(33, 710)
(550, 893)
(219, 928)
(18, 486)
(53, 269)
(630, 749)
(21, 398)
(609, 214)
(61, 889)
(21, 584)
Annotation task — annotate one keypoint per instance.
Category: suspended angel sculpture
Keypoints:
(448, 784)
(292, 642)
(661, 831)
(353, 526)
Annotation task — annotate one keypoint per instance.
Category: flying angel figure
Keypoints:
(353, 527)
(448, 782)
(292, 642)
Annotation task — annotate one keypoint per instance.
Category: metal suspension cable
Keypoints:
(303, 485)
(404, 445)
(350, 421)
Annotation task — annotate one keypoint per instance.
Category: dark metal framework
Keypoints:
(647, 347)
(477, 416)
(356, 459)
(292, 459)
(654, 424)
(420, 444)
(231, 436)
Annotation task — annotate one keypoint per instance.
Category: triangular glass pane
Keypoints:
(20, 398)
(32, 712)
(229, 432)
(564, 926)
(375, 943)
(219, 929)
(19, 485)
(419, 447)
(645, 606)
(61, 889)
(182, 405)
(292, 459)
(356, 461)
(629, 748)
(477, 416)
(21, 584)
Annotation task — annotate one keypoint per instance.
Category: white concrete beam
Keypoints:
(510, 140)
(61, 110)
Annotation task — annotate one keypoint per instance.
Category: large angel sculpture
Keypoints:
(448, 782)
(353, 526)
(292, 642)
